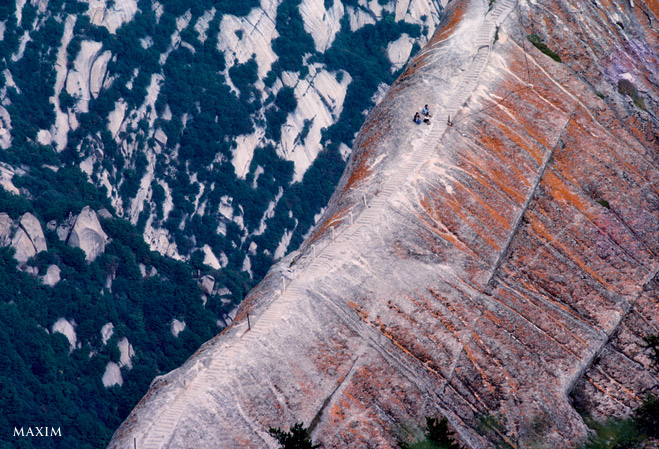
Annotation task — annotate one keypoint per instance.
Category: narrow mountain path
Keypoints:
(340, 243)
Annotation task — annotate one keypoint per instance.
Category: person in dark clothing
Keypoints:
(426, 114)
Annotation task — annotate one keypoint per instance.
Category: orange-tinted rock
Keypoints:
(512, 267)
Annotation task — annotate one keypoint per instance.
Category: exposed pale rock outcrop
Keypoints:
(112, 375)
(127, 352)
(87, 234)
(6, 225)
(52, 276)
(78, 80)
(66, 327)
(5, 128)
(320, 100)
(23, 246)
(177, 327)
(28, 240)
(97, 74)
(207, 283)
(256, 30)
(61, 127)
(32, 226)
(321, 24)
(210, 259)
(122, 11)
(399, 51)
(483, 270)
(106, 332)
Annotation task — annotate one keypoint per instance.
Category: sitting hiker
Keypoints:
(426, 111)
(417, 118)
(426, 119)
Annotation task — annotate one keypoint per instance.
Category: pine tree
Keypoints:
(296, 438)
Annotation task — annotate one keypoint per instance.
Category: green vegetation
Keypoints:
(293, 41)
(652, 343)
(626, 87)
(626, 433)
(437, 436)
(647, 417)
(613, 434)
(604, 203)
(540, 45)
(363, 55)
(41, 378)
(296, 438)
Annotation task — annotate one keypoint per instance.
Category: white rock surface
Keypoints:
(320, 98)
(28, 239)
(322, 24)
(44, 137)
(19, 11)
(127, 352)
(6, 175)
(6, 224)
(399, 51)
(97, 76)
(203, 22)
(64, 326)
(64, 228)
(177, 327)
(88, 235)
(24, 39)
(283, 245)
(224, 291)
(5, 128)
(258, 31)
(207, 283)
(78, 79)
(121, 12)
(160, 137)
(112, 375)
(244, 151)
(209, 258)
(106, 332)
(116, 117)
(359, 18)
(160, 240)
(247, 266)
(52, 276)
(31, 225)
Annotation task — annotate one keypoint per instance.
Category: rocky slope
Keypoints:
(487, 272)
(219, 130)
(197, 119)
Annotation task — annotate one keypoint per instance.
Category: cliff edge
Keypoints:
(489, 270)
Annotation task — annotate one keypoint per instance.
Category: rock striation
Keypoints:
(494, 267)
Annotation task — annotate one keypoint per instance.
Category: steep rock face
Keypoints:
(482, 271)
(32, 227)
(87, 234)
(28, 239)
(6, 224)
